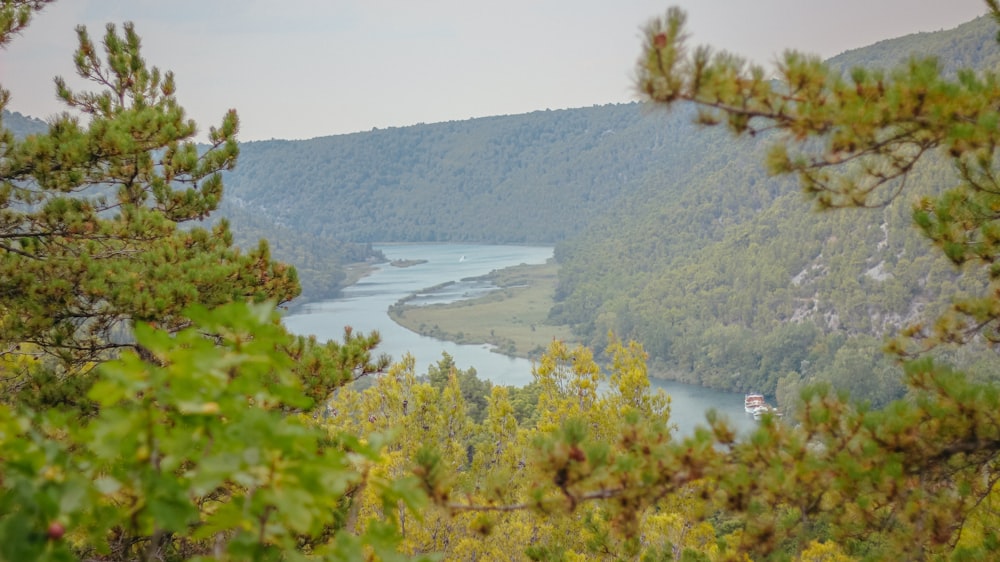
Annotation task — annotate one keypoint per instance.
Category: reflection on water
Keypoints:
(364, 307)
(690, 402)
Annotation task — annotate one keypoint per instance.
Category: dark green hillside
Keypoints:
(970, 45)
(666, 233)
(728, 280)
(540, 177)
(321, 261)
(758, 297)
(22, 125)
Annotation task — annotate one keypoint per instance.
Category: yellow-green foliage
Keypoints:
(217, 435)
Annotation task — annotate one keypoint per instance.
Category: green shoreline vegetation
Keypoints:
(512, 318)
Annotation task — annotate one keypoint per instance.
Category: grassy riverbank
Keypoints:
(511, 318)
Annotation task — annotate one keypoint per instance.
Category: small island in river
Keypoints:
(406, 263)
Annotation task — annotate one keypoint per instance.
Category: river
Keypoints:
(364, 306)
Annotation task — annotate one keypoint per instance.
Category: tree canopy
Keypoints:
(128, 407)
(854, 138)
(92, 215)
(203, 430)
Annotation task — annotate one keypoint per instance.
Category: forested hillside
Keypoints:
(666, 233)
(669, 234)
(736, 284)
(534, 178)
(153, 406)
(537, 177)
(970, 45)
(320, 260)
(22, 125)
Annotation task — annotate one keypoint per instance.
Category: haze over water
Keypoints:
(364, 307)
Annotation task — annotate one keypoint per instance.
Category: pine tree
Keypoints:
(909, 480)
(15, 16)
(98, 214)
(153, 405)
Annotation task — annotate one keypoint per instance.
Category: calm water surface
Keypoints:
(364, 307)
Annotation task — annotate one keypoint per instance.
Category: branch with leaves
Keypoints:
(854, 140)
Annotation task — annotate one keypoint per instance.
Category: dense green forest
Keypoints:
(534, 178)
(728, 279)
(154, 407)
(970, 45)
(666, 233)
(321, 261)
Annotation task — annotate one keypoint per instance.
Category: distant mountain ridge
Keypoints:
(970, 45)
(532, 178)
(22, 125)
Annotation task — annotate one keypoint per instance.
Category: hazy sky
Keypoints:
(307, 68)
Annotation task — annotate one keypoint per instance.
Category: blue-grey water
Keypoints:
(364, 307)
